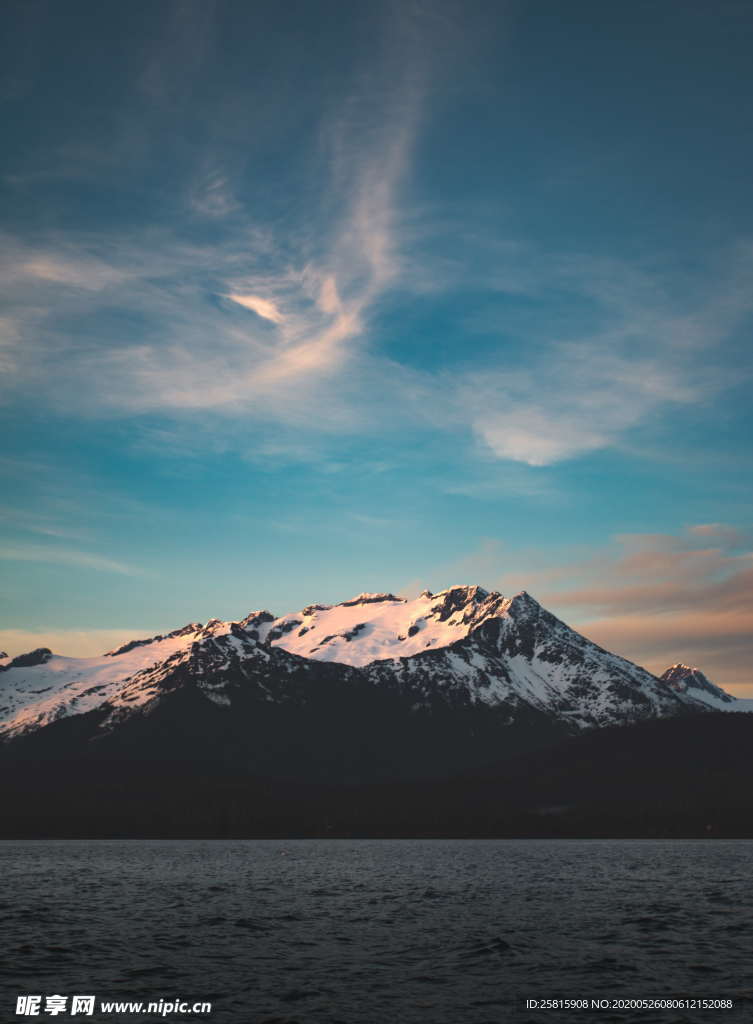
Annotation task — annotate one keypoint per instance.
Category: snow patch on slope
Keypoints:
(372, 627)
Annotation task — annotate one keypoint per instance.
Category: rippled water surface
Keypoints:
(371, 931)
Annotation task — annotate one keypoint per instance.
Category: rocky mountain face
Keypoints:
(378, 686)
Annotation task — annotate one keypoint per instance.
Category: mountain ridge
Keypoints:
(461, 647)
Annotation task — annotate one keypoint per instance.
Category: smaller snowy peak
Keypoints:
(39, 656)
(690, 680)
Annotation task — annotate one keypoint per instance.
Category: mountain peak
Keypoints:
(523, 601)
(470, 591)
(369, 599)
(690, 679)
(257, 617)
(39, 656)
(679, 672)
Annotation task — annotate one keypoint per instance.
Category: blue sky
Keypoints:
(308, 299)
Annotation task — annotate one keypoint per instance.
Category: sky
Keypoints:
(303, 300)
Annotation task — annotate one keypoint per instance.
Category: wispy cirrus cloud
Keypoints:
(649, 354)
(315, 282)
(212, 196)
(36, 522)
(566, 398)
(75, 272)
(66, 556)
(155, 316)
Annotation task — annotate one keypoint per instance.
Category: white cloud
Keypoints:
(538, 437)
(262, 307)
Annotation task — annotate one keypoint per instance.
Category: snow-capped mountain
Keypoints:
(463, 648)
(515, 652)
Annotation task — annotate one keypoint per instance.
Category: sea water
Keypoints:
(372, 931)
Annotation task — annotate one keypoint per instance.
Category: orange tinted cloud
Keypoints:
(661, 598)
(718, 642)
